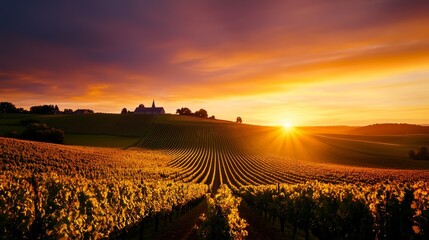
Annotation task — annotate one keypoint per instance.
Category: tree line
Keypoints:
(7, 107)
(202, 113)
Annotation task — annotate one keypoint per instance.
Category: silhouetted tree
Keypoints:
(239, 120)
(8, 107)
(184, 111)
(212, 117)
(68, 111)
(124, 111)
(202, 113)
(57, 110)
(420, 154)
(45, 109)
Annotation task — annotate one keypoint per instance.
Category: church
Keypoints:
(141, 109)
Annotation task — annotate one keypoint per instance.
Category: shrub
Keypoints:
(419, 154)
(43, 133)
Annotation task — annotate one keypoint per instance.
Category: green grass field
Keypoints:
(98, 130)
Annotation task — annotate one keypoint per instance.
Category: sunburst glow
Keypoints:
(288, 126)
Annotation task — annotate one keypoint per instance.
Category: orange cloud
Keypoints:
(350, 62)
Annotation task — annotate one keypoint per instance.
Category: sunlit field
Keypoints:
(281, 166)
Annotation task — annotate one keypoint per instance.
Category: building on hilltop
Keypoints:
(141, 109)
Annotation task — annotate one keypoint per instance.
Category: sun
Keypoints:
(287, 126)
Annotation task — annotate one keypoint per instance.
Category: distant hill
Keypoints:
(327, 129)
(390, 129)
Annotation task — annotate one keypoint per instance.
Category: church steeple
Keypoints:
(153, 103)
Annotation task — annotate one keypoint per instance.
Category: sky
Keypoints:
(351, 62)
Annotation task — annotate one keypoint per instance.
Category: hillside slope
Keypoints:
(390, 129)
(221, 141)
(131, 125)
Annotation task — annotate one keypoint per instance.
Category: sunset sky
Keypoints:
(270, 62)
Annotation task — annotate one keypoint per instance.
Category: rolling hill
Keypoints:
(217, 152)
(198, 152)
(390, 129)
(186, 135)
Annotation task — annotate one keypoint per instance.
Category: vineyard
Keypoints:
(223, 220)
(239, 155)
(386, 210)
(326, 186)
(52, 191)
(50, 206)
(27, 157)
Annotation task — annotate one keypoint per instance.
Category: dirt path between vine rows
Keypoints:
(183, 228)
(180, 228)
(261, 229)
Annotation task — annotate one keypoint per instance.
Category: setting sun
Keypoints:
(287, 125)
